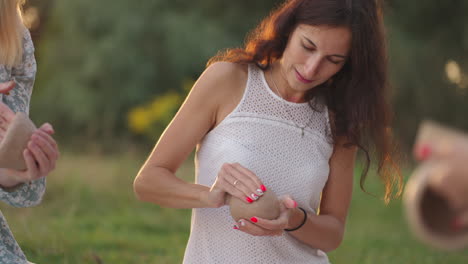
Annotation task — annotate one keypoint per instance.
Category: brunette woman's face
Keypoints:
(314, 54)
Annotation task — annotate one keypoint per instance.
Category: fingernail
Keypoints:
(236, 227)
(259, 192)
(249, 200)
(295, 204)
(49, 127)
(456, 224)
(241, 223)
(423, 152)
(263, 188)
(254, 219)
(254, 196)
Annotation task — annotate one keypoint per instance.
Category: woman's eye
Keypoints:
(335, 61)
(307, 48)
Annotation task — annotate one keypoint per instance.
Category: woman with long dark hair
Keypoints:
(288, 113)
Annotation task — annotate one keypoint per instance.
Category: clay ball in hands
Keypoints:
(266, 207)
(15, 133)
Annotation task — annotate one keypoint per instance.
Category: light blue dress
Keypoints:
(27, 194)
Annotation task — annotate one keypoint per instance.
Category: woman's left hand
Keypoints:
(44, 149)
(257, 226)
(6, 87)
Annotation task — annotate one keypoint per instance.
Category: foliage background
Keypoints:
(99, 60)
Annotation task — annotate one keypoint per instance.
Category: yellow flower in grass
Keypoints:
(139, 120)
(153, 117)
(162, 108)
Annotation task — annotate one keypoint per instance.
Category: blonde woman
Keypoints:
(17, 74)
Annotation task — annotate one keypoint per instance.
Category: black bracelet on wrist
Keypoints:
(303, 221)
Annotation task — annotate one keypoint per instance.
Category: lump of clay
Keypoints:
(15, 142)
(267, 207)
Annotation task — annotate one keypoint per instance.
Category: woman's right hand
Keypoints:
(237, 181)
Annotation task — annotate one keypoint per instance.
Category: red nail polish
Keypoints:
(254, 219)
(295, 204)
(235, 227)
(249, 200)
(423, 152)
(263, 188)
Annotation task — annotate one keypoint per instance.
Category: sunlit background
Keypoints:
(112, 73)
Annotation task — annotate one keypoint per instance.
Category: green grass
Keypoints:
(90, 215)
(378, 233)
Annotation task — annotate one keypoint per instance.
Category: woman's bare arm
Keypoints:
(325, 231)
(216, 91)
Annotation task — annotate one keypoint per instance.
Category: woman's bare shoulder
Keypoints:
(227, 75)
(231, 79)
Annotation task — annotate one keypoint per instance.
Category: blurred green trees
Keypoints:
(100, 62)
(100, 59)
(429, 63)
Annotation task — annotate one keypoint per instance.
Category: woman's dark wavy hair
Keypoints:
(357, 94)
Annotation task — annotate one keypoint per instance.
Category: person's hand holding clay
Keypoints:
(40, 154)
(6, 87)
(449, 153)
(289, 217)
(237, 181)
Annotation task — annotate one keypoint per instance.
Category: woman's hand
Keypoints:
(450, 173)
(44, 149)
(6, 117)
(263, 227)
(451, 179)
(40, 155)
(6, 87)
(236, 180)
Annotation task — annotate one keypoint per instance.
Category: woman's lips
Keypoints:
(300, 78)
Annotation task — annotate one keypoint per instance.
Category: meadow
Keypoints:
(90, 215)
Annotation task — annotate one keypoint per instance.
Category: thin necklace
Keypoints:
(285, 108)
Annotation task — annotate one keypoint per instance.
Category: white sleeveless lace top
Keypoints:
(260, 135)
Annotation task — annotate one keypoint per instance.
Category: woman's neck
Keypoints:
(285, 91)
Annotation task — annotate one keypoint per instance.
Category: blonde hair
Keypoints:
(11, 32)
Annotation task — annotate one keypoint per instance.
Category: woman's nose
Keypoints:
(312, 67)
